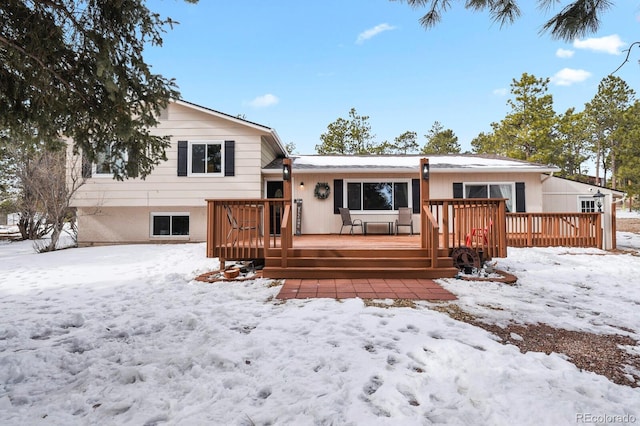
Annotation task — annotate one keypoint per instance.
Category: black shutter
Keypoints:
(182, 158)
(338, 190)
(229, 158)
(415, 194)
(86, 167)
(521, 205)
(458, 191)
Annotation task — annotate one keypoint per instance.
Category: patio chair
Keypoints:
(405, 218)
(240, 226)
(479, 236)
(347, 221)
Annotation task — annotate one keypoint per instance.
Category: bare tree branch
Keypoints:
(626, 59)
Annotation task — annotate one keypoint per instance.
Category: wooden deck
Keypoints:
(241, 229)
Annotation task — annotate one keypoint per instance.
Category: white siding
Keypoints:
(318, 216)
(561, 195)
(442, 185)
(127, 225)
(164, 188)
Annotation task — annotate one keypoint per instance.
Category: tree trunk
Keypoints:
(598, 165)
(55, 236)
(613, 169)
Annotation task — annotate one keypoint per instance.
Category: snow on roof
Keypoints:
(442, 163)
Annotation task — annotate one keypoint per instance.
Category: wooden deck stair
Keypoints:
(358, 263)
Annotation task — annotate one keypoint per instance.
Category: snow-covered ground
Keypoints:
(123, 335)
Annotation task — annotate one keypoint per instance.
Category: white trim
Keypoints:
(205, 142)
(171, 215)
(589, 198)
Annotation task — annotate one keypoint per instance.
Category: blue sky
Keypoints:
(297, 66)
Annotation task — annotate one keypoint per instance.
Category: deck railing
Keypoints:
(430, 235)
(476, 222)
(246, 229)
(554, 229)
(255, 228)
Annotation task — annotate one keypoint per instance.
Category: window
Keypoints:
(377, 196)
(169, 224)
(491, 190)
(205, 158)
(102, 163)
(587, 205)
(103, 166)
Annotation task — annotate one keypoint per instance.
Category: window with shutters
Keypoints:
(491, 190)
(205, 158)
(377, 196)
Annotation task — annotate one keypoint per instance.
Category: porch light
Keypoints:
(301, 185)
(599, 196)
(425, 171)
(286, 172)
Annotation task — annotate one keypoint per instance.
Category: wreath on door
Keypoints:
(322, 190)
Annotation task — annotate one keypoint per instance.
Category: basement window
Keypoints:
(169, 224)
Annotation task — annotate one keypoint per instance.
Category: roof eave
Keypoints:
(404, 170)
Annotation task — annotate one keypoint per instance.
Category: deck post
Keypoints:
(614, 242)
(424, 197)
(286, 240)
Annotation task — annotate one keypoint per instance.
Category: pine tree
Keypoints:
(441, 141)
(352, 136)
(528, 131)
(605, 114)
(576, 19)
(75, 69)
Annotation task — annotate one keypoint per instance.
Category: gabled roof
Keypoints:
(238, 120)
(454, 163)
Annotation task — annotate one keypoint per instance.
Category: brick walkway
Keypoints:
(414, 289)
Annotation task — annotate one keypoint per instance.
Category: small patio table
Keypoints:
(389, 224)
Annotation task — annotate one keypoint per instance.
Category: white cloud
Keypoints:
(608, 44)
(564, 53)
(264, 101)
(568, 76)
(372, 32)
(500, 92)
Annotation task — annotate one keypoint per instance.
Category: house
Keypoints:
(212, 154)
(374, 187)
(223, 183)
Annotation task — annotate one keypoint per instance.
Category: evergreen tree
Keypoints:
(352, 136)
(75, 68)
(575, 19)
(528, 131)
(441, 141)
(406, 143)
(628, 134)
(605, 114)
(572, 147)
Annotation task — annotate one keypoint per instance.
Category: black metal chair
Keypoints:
(347, 221)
